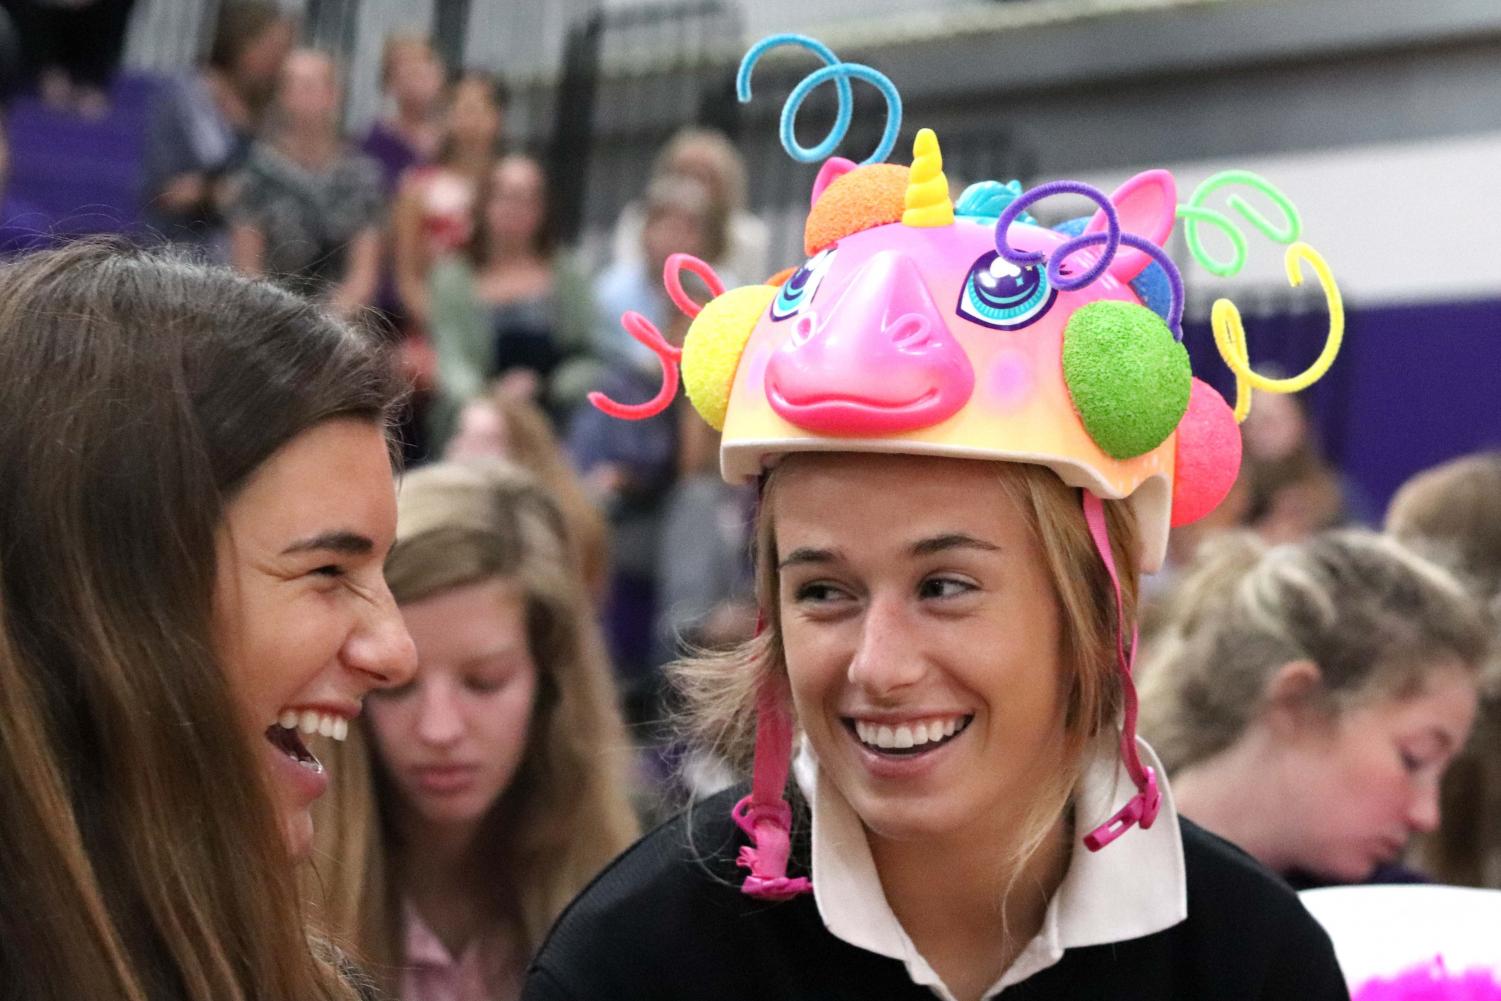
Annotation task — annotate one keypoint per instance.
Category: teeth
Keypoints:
(311, 721)
(904, 736)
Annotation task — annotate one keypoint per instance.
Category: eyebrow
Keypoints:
(807, 554)
(345, 543)
(923, 547)
(952, 540)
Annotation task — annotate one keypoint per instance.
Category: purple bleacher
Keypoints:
(70, 176)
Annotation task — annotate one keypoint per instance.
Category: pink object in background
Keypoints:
(1432, 981)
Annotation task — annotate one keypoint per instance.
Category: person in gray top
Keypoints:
(202, 124)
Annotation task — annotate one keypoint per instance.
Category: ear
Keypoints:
(1291, 695)
(1147, 205)
(832, 170)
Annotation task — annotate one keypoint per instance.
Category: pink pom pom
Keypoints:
(1432, 982)
(1208, 455)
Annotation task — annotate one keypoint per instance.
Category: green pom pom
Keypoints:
(1128, 378)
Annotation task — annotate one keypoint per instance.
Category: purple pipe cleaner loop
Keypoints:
(1111, 237)
(1174, 276)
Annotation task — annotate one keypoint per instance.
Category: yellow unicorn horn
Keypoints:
(927, 201)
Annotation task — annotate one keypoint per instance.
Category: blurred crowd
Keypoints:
(437, 232)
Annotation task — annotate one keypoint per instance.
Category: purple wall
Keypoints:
(1414, 385)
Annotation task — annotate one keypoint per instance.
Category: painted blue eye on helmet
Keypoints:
(798, 291)
(1002, 295)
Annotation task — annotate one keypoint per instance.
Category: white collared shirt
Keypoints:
(1133, 887)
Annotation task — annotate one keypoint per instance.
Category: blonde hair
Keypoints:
(719, 689)
(532, 444)
(1374, 617)
(566, 812)
(1453, 513)
(715, 147)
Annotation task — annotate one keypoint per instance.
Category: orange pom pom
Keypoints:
(862, 199)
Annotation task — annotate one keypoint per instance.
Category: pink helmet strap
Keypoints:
(764, 815)
(1142, 808)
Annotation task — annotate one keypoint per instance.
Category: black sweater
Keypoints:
(667, 921)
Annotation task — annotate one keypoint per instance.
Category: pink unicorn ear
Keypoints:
(832, 170)
(1147, 205)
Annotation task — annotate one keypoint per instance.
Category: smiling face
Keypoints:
(1360, 786)
(453, 738)
(921, 632)
(303, 620)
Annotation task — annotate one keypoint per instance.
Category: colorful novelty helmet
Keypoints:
(926, 326)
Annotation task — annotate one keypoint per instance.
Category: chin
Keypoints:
(908, 817)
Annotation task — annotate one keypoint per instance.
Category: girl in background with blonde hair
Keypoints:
(1452, 513)
(487, 792)
(1306, 699)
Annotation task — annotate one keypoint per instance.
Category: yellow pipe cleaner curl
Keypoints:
(1230, 334)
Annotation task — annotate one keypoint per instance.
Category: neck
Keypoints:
(509, 251)
(470, 162)
(415, 122)
(966, 910)
(445, 880)
(1230, 795)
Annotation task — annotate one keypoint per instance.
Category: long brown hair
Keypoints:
(566, 812)
(141, 855)
(720, 688)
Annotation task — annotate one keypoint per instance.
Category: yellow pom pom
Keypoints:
(712, 348)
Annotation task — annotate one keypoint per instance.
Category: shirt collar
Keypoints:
(1133, 887)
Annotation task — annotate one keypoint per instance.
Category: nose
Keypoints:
(879, 361)
(884, 663)
(439, 723)
(1423, 811)
(380, 648)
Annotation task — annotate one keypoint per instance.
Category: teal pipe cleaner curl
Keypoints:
(841, 73)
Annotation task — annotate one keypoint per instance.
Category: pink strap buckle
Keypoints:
(768, 825)
(1140, 809)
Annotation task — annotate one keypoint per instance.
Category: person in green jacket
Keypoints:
(510, 305)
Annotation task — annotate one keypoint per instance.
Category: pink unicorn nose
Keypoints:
(880, 361)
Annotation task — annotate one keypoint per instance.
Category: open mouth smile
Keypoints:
(287, 732)
(907, 739)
